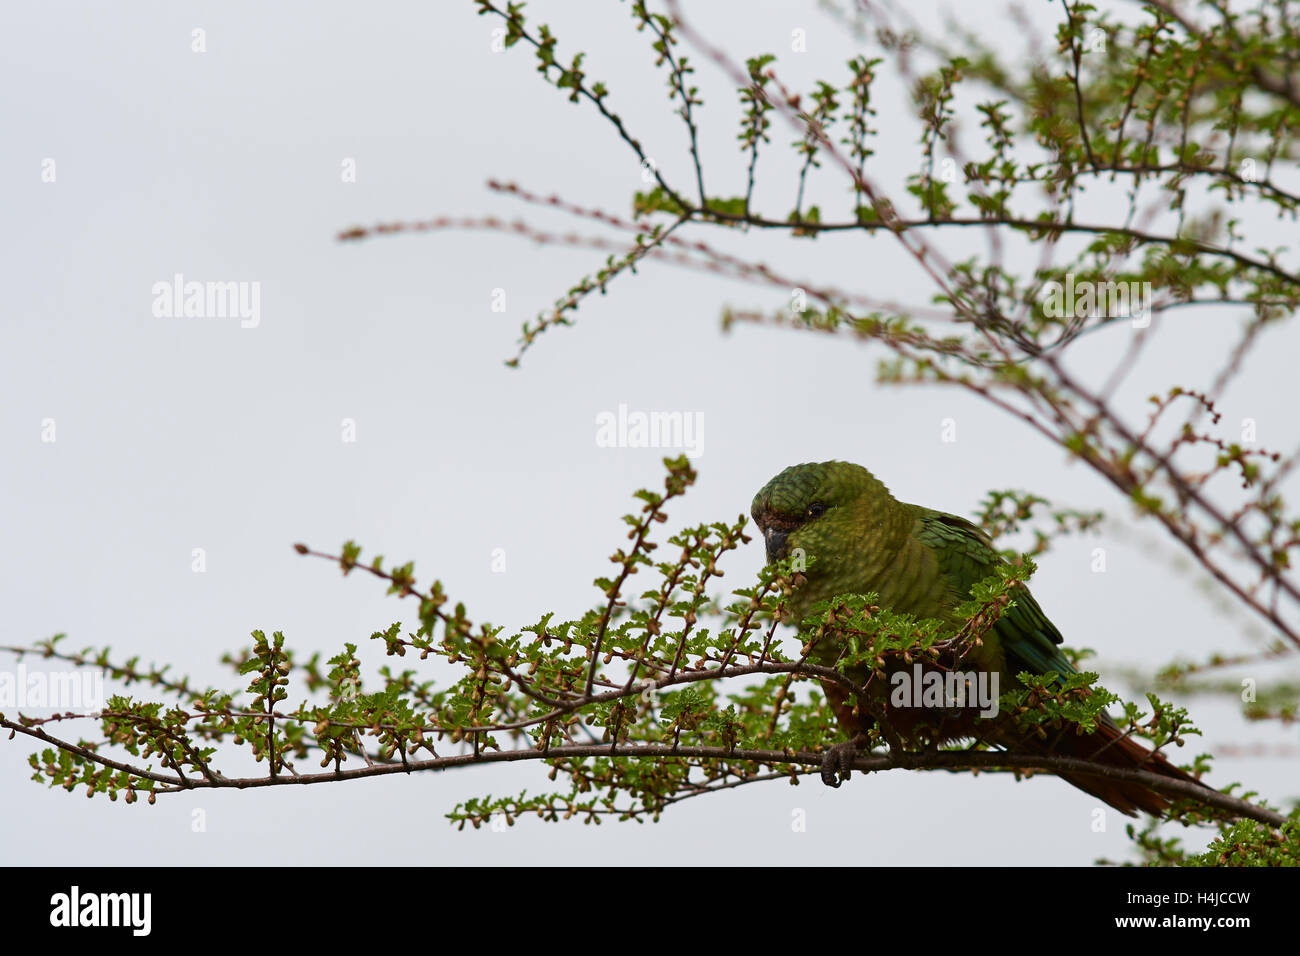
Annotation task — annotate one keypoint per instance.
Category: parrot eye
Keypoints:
(816, 509)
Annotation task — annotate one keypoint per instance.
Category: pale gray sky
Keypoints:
(183, 433)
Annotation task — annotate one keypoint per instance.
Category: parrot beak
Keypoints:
(775, 544)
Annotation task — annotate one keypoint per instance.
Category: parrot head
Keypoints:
(822, 509)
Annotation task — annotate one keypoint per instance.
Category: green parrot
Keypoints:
(923, 562)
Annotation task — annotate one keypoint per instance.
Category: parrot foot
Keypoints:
(837, 764)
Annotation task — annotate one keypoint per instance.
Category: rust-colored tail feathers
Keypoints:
(1110, 746)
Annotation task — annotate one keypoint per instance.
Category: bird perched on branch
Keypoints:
(858, 539)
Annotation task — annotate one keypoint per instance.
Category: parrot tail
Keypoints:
(1107, 745)
(1111, 746)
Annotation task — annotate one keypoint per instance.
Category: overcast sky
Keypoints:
(175, 433)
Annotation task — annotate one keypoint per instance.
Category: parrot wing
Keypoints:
(966, 556)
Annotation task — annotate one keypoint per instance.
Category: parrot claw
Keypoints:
(837, 764)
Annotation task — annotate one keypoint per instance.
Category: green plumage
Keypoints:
(858, 539)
